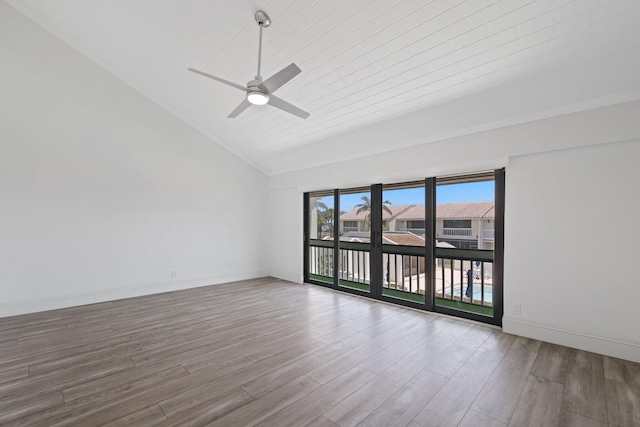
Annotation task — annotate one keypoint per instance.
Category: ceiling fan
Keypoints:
(260, 92)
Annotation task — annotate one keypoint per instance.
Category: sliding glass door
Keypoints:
(354, 239)
(466, 214)
(404, 231)
(434, 244)
(319, 235)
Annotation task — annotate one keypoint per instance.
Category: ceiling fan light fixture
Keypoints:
(257, 97)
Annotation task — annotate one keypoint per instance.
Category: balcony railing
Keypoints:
(488, 234)
(404, 269)
(464, 276)
(354, 266)
(321, 263)
(405, 273)
(456, 232)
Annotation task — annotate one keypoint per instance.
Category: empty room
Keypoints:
(319, 213)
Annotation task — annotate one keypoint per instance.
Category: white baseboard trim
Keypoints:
(289, 277)
(45, 304)
(596, 344)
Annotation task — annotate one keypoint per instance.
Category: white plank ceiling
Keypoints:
(362, 61)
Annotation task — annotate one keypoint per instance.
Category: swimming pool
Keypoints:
(477, 292)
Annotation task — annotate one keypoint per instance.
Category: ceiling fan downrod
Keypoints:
(263, 21)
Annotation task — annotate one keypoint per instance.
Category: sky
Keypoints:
(452, 193)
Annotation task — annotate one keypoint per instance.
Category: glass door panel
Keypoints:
(465, 218)
(321, 237)
(354, 269)
(404, 272)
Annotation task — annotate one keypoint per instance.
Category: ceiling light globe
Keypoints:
(257, 98)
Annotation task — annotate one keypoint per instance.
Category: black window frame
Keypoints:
(431, 253)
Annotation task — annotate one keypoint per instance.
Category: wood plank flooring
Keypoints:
(270, 353)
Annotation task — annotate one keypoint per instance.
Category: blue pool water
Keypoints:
(477, 292)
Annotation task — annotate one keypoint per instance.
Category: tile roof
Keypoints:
(491, 213)
(413, 212)
(405, 239)
(465, 210)
(353, 216)
(453, 210)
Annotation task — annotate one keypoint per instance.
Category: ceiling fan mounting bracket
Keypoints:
(263, 19)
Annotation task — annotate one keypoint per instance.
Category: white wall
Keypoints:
(102, 193)
(571, 247)
(583, 189)
(285, 239)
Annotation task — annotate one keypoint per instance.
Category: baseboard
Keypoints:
(596, 344)
(289, 277)
(45, 304)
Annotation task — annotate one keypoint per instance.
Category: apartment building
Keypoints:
(468, 225)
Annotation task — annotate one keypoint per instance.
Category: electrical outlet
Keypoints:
(517, 310)
(174, 274)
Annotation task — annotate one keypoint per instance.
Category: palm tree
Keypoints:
(320, 205)
(365, 206)
(325, 218)
(325, 222)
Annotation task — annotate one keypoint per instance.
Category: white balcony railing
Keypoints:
(488, 234)
(456, 232)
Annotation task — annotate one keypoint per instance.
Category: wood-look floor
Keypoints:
(268, 352)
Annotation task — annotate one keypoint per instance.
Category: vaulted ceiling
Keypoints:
(431, 68)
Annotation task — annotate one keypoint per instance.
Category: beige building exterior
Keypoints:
(458, 225)
(467, 225)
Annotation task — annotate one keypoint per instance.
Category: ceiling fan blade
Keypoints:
(285, 106)
(281, 77)
(239, 109)
(227, 82)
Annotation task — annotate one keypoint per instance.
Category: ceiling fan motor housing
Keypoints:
(255, 93)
